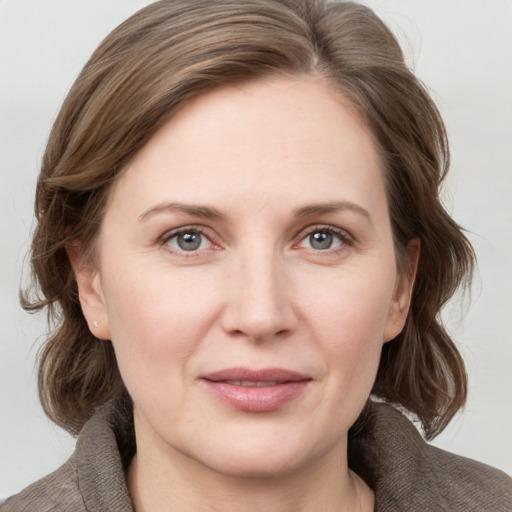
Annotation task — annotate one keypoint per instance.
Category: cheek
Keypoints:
(348, 321)
(156, 318)
(353, 304)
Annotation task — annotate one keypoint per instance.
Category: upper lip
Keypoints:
(279, 375)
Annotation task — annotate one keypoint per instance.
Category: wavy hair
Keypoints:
(141, 75)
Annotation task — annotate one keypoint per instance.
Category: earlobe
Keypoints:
(403, 293)
(90, 292)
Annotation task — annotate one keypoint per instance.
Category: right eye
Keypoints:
(188, 240)
(325, 238)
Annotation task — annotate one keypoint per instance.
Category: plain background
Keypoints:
(461, 50)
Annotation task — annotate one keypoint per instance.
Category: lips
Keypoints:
(252, 390)
(249, 383)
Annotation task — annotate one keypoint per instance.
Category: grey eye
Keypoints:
(189, 241)
(321, 240)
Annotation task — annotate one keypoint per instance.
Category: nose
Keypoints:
(259, 305)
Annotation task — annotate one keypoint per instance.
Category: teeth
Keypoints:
(265, 384)
(251, 384)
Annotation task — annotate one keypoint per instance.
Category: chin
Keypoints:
(263, 460)
(261, 468)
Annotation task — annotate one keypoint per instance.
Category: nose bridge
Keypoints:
(259, 305)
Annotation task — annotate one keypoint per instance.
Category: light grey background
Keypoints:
(461, 49)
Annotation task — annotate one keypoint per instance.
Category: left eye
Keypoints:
(322, 240)
(189, 241)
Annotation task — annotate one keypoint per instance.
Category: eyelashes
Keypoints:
(324, 238)
(192, 241)
(188, 240)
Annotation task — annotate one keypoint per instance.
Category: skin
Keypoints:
(256, 293)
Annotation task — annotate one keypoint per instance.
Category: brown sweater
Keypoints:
(406, 473)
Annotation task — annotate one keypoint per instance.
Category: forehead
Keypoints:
(274, 138)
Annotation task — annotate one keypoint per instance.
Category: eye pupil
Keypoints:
(321, 240)
(189, 241)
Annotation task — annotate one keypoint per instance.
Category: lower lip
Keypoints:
(255, 399)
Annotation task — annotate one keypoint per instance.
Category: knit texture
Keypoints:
(406, 473)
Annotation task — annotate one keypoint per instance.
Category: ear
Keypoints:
(402, 295)
(90, 292)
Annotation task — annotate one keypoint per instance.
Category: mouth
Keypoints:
(252, 390)
(249, 383)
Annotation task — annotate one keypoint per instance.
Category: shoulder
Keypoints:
(472, 484)
(57, 491)
(92, 479)
(409, 474)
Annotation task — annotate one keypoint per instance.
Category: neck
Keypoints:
(159, 483)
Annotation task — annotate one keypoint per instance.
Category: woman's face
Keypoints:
(246, 277)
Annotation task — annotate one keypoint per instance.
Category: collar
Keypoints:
(386, 450)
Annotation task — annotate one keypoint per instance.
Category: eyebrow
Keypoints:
(205, 212)
(323, 208)
(208, 212)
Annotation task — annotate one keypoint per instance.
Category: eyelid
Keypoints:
(343, 234)
(171, 233)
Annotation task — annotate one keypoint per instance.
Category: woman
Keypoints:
(240, 238)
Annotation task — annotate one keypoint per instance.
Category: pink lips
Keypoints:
(256, 390)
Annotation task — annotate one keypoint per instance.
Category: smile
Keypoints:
(256, 390)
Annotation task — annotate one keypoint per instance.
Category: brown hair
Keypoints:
(173, 50)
